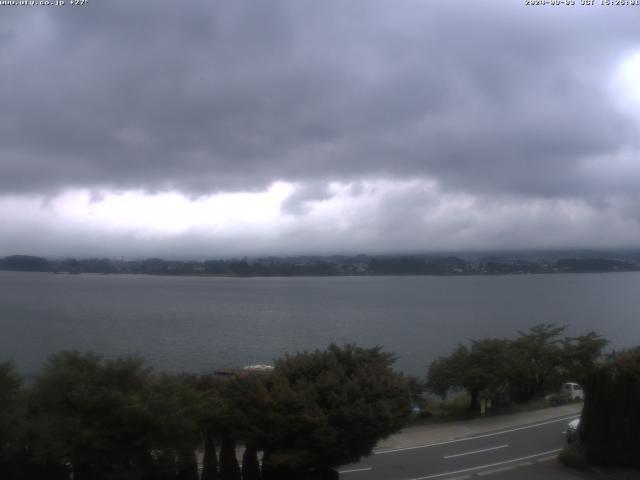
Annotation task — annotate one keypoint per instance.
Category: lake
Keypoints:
(199, 324)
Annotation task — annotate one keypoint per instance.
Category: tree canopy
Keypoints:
(519, 369)
(342, 399)
(610, 423)
(97, 419)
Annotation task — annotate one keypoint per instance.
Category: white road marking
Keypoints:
(476, 451)
(356, 470)
(480, 467)
(495, 470)
(427, 445)
(546, 459)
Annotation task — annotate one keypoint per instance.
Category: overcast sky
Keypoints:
(209, 129)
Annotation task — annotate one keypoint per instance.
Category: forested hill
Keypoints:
(336, 265)
(25, 263)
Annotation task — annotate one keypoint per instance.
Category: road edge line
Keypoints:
(471, 469)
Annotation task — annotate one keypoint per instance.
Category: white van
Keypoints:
(572, 391)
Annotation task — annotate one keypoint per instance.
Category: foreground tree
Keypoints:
(250, 464)
(581, 354)
(210, 458)
(208, 418)
(173, 408)
(86, 414)
(330, 407)
(10, 421)
(541, 360)
(245, 402)
(503, 370)
(480, 370)
(535, 357)
(229, 468)
(113, 419)
(610, 424)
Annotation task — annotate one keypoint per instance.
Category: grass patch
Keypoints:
(453, 409)
(457, 408)
(433, 411)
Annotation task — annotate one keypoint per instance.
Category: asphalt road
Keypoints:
(486, 453)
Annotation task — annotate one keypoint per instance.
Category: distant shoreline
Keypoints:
(333, 266)
(308, 275)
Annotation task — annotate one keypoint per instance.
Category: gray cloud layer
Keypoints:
(233, 95)
(489, 98)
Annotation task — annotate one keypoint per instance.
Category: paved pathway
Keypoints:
(438, 432)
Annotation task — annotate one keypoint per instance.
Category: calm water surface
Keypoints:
(201, 323)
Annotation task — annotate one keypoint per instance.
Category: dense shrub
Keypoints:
(610, 424)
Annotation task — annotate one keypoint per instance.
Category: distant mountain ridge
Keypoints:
(25, 263)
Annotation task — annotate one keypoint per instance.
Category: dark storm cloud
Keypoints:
(223, 96)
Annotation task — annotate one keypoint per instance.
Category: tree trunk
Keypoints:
(81, 472)
(164, 467)
(188, 466)
(268, 472)
(229, 469)
(210, 460)
(474, 404)
(279, 472)
(250, 465)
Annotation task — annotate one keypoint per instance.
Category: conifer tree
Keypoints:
(210, 458)
(250, 465)
(229, 468)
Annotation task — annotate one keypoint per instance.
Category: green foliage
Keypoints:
(174, 410)
(114, 419)
(580, 354)
(331, 407)
(11, 432)
(446, 373)
(455, 407)
(416, 388)
(536, 355)
(489, 364)
(610, 423)
(10, 385)
(111, 418)
(480, 369)
(90, 413)
(242, 403)
(520, 370)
